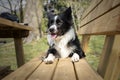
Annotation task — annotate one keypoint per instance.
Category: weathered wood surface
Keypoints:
(9, 29)
(85, 42)
(113, 68)
(61, 69)
(103, 19)
(6, 24)
(108, 44)
(4, 70)
(19, 51)
(93, 5)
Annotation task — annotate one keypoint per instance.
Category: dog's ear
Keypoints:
(68, 13)
(50, 15)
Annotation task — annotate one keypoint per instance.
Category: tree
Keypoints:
(14, 7)
(33, 16)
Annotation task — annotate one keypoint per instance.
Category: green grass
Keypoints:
(35, 48)
(31, 50)
(94, 50)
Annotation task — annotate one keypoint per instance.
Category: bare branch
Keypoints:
(17, 4)
(10, 6)
(2, 3)
(5, 7)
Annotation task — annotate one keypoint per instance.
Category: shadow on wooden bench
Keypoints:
(4, 71)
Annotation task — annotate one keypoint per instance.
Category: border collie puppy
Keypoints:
(62, 39)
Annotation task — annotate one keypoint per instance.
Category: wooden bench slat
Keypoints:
(94, 4)
(44, 71)
(13, 33)
(23, 72)
(113, 68)
(104, 7)
(85, 72)
(64, 70)
(6, 23)
(106, 24)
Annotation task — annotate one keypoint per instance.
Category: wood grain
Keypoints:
(19, 51)
(85, 42)
(106, 24)
(85, 72)
(104, 7)
(44, 71)
(25, 71)
(113, 69)
(106, 52)
(92, 6)
(6, 23)
(64, 70)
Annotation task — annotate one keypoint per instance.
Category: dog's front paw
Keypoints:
(49, 59)
(75, 57)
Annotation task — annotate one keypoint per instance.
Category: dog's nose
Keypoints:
(51, 29)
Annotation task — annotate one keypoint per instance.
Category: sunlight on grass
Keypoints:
(35, 48)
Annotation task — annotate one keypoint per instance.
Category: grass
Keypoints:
(94, 50)
(35, 48)
(31, 50)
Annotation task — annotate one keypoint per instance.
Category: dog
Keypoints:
(62, 39)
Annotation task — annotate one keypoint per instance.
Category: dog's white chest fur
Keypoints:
(60, 43)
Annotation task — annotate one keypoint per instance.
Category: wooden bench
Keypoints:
(61, 69)
(4, 70)
(14, 30)
(103, 18)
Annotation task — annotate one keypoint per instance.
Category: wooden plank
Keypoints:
(13, 33)
(106, 24)
(92, 6)
(113, 69)
(64, 70)
(85, 72)
(25, 71)
(105, 55)
(104, 7)
(44, 71)
(85, 42)
(4, 70)
(19, 51)
(8, 23)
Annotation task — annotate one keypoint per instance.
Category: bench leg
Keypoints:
(85, 42)
(19, 51)
(110, 61)
(105, 55)
(113, 68)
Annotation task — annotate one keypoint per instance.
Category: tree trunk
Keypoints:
(21, 12)
(33, 16)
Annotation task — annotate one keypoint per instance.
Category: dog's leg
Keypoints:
(49, 59)
(75, 57)
(50, 56)
(78, 53)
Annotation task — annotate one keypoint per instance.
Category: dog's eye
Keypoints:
(59, 22)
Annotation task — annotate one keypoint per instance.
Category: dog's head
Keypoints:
(59, 24)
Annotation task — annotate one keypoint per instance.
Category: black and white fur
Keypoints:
(62, 39)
